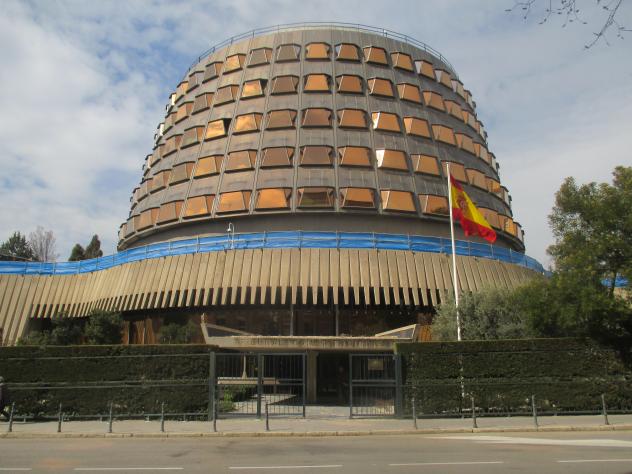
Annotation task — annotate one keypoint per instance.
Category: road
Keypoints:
(587, 452)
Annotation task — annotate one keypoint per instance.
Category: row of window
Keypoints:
(307, 197)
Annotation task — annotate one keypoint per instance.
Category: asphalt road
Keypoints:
(587, 452)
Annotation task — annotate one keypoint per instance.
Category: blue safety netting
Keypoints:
(290, 239)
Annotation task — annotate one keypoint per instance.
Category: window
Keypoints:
(385, 121)
(284, 85)
(402, 61)
(160, 180)
(493, 186)
(424, 68)
(434, 100)
(431, 204)
(192, 136)
(482, 153)
(315, 197)
(457, 170)
(409, 92)
(217, 129)
(425, 164)
(198, 206)
(241, 160)
(490, 216)
(183, 111)
(317, 83)
(347, 52)
(317, 51)
(443, 134)
(234, 63)
(354, 156)
(352, 118)
(276, 198)
(457, 86)
(170, 120)
(181, 173)
(465, 143)
(226, 94)
(194, 80)
(254, 88)
(506, 223)
(316, 156)
(381, 87)
(147, 219)
(443, 77)
(208, 165)
(316, 118)
(172, 144)
(375, 55)
(143, 190)
(169, 212)
(181, 89)
(237, 201)
(453, 109)
(260, 56)
(247, 123)
(349, 84)
(202, 102)
(212, 71)
(288, 52)
(476, 178)
(391, 159)
(277, 156)
(469, 118)
(417, 127)
(281, 119)
(363, 198)
(399, 201)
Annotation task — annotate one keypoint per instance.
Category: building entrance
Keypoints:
(332, 386)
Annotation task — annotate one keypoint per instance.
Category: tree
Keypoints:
(93, 250)
(43, 244)
(103, 327)
(16, 248)
(175, 333)
(65, 331)
(77, 253)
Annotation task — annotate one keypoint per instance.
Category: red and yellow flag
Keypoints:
(472, 221)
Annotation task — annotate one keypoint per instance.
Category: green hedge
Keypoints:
(501, 376)
(85, 379)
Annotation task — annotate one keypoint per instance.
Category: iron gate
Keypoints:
(374, 385)
(244, 383)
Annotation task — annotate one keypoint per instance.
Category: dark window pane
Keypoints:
(315, 197)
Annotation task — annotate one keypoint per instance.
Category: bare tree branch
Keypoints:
(43, 244)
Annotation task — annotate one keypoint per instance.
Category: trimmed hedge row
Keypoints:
(501, 376)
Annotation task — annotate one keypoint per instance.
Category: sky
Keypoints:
(83, 86)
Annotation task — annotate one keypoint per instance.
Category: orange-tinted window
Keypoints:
(247, 123)
(385, 121)
(147, 219)
(453, 109)
(234, 62)
(277, 156)
(373, 54)
(443, 134)
(183, 111)
(172, 144)
(443, 77)
(202, 102)
(402, 61)
(181, 89)
(409, 92)
(254, 88)
(208, 165)
(217, 129)
(161, 180)
(425, 164)
(170, 120)
(316, 156)
(417, 127)
(352, 118)
(275, 198)
(456, 169)
(400, 201)
(434, 100)
(391, 159)
(381, 87)
(490, 216)
(192, 136)
(357, 198)
(493, 186)
(315, 197)
(349, 84)
(476, 178)
(469, 118)
(288, 52)
(241, 160)
(347, 52)
(317, 51)
(317, 83)
(354, 156)
(237, 201)
(284, 85)
(198, 206)
(431, 204)
(226, 94)
(181, 173)
(169, 212)
(212, 71)
(465, 143)
(482, 153)
(316, 118)
(425, 68)
(259, 56)
(281, 119)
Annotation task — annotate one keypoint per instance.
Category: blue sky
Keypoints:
(83, 86)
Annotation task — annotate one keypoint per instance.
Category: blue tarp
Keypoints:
(294, 239)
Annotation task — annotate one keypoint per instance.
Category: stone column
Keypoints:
(311, 377)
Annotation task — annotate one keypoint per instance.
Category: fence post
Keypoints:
(474, 424)
(604, 409)
(535, 412)
(59, 418)
(398, 386)
(162, 417)
(267, 418)
(11, 417)
(110, 418)
(414, 414)
(215, 395)
(211, 386)
(304, 382)
(259, 383)
(350, 386)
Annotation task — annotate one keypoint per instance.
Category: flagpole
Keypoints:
(454, 276)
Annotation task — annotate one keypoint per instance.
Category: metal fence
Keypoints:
(375, 385)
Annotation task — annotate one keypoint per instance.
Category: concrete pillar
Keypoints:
(311, 377)
(337, 316)
(292, 323)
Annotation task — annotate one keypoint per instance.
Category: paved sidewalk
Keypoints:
(312, 425)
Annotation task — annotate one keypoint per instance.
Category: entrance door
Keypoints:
(333, 378)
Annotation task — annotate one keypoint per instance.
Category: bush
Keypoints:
(103, 327)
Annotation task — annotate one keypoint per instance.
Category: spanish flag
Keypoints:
(472, 221)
